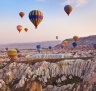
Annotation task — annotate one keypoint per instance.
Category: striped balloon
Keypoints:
(35, 17)
(12, 53)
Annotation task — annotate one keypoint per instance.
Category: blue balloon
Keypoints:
(94, 45)
(38, 46)
(74, 44)
(50, 47)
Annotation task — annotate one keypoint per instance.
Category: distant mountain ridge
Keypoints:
(44, 44)
(83, 41)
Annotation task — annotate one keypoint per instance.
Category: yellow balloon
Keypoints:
(65, 42)
(75, 38)
(12, 53)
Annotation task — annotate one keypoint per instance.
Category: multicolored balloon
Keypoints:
(19, 28)
(75, 38)
(36, 17)
(21, 14)
(12, 53)
(74, 44)
(26, 29)
(68, 9)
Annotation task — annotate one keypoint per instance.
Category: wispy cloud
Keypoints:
(75, 2)
(81, 2)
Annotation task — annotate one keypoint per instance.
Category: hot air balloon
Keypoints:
(38, 48)
(75, 38)
(68, 9)
(50, 47)
(57, 37)
(26, 29)
(74, 44)
(36, 17)
(19, 28)
(6, 48)
(21, 14)
(94, 45)
(65, 42)
(12, 53)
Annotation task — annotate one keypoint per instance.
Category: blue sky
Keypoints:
(81, 22)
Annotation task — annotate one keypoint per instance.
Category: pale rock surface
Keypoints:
(58, 76)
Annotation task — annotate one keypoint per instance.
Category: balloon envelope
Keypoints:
(19, 28)
(26, 29)
(74, 44)
(21, 14)
(75, 38)
(50, 47)
(36, 17)
(56, 37)
(94, 45)
(65, 42)
(12, 53)
(68, 9)
(38, 46)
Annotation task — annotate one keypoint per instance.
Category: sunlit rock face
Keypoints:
(66, 75)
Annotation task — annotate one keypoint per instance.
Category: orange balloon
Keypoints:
(19, 28)
(21, 14)
(26, 29)
(65, 42)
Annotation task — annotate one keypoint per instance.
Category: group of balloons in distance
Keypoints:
(36, 16)
(74, 43)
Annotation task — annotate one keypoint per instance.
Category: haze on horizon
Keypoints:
(81, 22)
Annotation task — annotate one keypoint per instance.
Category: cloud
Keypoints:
(81, 2)
(75, 2)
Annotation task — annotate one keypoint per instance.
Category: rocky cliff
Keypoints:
(65, 75)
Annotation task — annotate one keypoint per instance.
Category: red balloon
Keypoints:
(21, 14)
(19, 28)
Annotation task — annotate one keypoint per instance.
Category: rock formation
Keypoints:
(65, 75)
